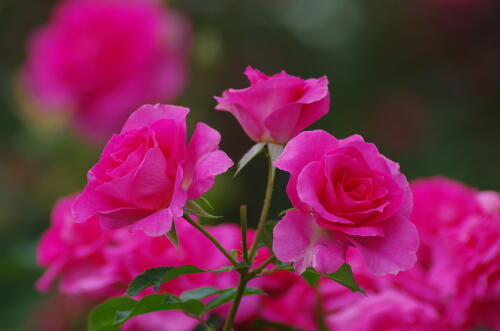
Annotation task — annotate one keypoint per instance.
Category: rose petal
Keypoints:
(298, 239)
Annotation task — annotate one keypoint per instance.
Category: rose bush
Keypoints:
(345, 193)
(99, 59)
(147, 172)
(276, 108)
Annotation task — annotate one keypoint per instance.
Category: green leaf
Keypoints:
(274, 151)
(156, 276)
(311, 277)
(267, 234)
(200, 293)
(253, 152)
(206, 202)
(192, 208)
(172, 237)
(228, 295)
(116, 311)
(343, 276)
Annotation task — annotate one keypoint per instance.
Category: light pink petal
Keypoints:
(298, 239)
(148, 114)
(395, 251)
(204, 161)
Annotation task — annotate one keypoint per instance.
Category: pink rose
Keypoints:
(146, 173)
(275, 109)
(440, 203)
(76, 253)
(389, 310)
(99, 59)
(345, 193)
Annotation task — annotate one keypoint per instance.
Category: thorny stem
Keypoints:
(200, 228)
(265, 208)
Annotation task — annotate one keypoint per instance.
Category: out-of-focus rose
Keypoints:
(146, 173)
(276, 108)
(100, 59)
(440, 203)
(346, 193)
(389, 310)
(76, 253)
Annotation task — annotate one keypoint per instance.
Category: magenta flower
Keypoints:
(389, 310)
(76, 253)
(345, 193)
(276, 108)
(99, 59)
(147, 173)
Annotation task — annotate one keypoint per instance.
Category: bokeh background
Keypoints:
(418, 78)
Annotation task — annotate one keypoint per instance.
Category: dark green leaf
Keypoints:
(311, 277)
(116, 311)
(254, 151)
(274, 151)
(192, 208)
(156, 276)
(172, 236)
(345, 277)
(207, 202)
(200, 293)
(228, 295)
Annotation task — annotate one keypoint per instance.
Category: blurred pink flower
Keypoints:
(346, 193)
(276, 108)
(389, 310)
(146, 173)
(440, 203)
(100, 59)
(76, 253)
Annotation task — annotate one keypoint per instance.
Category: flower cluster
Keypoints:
(455, 283)
(351, 205)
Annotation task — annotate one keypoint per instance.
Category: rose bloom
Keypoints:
(389, 310)
(99, 59)
(276, 108)
(146, 173)
(76, 254)
(345, 193)
(90, 261)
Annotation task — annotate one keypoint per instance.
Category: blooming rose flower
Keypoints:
(275, 109)
(146, 173)
(99, 59)
(345, 193)
(389, 310)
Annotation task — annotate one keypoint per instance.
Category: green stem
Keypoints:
(264, 264)
(200, 228)
(244, 278)
(265, 208)
(243, 221)
(320, 318)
